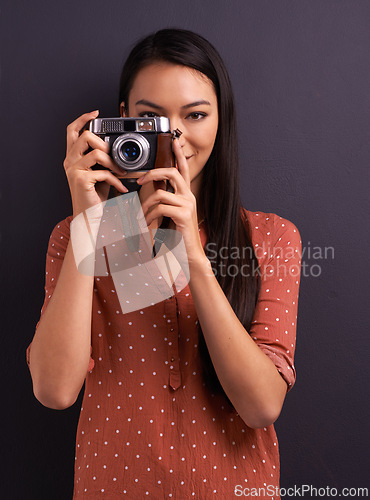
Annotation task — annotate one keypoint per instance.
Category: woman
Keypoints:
(180, 397)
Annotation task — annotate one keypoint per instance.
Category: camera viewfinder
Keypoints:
(145, 126)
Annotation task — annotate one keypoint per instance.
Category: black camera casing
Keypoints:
(136, 144)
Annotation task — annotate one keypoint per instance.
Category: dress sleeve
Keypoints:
(275, 318)
(57, 248)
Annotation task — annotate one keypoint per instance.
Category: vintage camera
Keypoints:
(136, 144)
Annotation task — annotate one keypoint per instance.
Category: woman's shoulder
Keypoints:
(269, 220)
(62, 228)
(59, 237)
(271, 228)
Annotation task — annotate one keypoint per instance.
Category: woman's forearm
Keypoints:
(60, 349)
(248, 377)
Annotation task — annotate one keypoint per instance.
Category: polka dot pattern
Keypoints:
(278, 248)
(149, 426)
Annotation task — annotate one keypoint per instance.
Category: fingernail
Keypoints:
(140, 179)
(96, 112)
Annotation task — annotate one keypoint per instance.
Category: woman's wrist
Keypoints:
(200, 266)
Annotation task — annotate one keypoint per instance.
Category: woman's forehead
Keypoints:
(163, 79)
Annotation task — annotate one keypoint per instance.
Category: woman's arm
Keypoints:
(243, 361)
(255, 368)
(249, 377)
(60, 350)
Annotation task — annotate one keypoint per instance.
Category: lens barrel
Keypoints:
(131, 151)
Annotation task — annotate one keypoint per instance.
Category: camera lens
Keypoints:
(130, 151)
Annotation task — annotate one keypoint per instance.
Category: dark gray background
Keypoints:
(301, 75)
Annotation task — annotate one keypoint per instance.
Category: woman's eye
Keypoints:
(197, 116)
(148, 114)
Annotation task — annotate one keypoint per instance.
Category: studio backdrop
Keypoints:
(301, 76)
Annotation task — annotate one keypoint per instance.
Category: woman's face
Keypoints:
(188, 99)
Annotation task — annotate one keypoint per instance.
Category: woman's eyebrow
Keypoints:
(201, 102)
(148, 103)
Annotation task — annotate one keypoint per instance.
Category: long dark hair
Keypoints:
(226, 224)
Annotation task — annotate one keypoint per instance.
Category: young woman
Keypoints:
(181, 396)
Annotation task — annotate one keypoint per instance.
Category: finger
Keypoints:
(96, 156)
(85, 141)
(161, 196)
(182, 162)
(171, 174)
(74, 128)
(106, 176)
(89, 139)
(163, 211)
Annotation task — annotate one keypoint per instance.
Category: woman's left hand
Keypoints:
(180, 206)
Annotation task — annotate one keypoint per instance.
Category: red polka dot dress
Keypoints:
(149, 427)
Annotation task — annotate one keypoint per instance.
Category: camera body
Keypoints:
(136, 144)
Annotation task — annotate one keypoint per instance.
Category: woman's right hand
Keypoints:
(88, 187)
